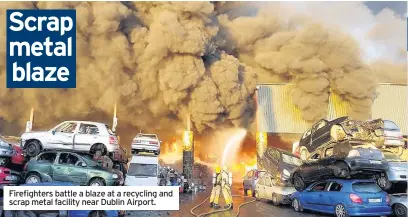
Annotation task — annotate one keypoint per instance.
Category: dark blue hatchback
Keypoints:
(343, 198)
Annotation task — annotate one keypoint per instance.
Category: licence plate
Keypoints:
(375, 161)
(11, 178)
(374, 200)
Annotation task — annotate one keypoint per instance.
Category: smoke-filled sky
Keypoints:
(160, 61)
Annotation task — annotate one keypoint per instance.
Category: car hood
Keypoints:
(398, 164)
(34, 134)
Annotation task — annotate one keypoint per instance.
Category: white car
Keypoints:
(146, 143)
(393, 137)
(143, 171)
(82, 136)
(267, 188)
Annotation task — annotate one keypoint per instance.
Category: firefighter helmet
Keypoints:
(217, 169)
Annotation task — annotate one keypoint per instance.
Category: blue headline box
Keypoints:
(41, 49)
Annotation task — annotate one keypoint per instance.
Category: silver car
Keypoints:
(398, 168)
(268, 188)
(399, 203)
(250, 180)
(6, 152)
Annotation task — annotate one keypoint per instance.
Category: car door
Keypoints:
(69, 168)
(320, 134)
(314, 196)
(326, 161)
(268, 188)
(306, 139)
(310, 169)
(260, 187)
(63, 136)
(44, 163)
(86, 136)
(331, 197)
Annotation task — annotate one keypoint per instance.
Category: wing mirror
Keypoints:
(53, 132)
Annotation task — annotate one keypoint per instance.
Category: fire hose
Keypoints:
(221, 210)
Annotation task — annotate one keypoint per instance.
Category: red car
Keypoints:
(18, 156)
(7, 177)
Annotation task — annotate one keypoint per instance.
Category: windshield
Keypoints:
(89, 161)
(366, 187)
(291, 160)
(149, 170)
(391, 156)
(391, 126)
(109, 130)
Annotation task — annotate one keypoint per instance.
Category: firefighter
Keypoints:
(215, 193)
(226, 183)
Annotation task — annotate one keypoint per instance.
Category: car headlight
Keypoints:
(115, 176)
(286, 172)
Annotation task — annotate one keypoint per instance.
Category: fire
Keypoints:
(171, 152)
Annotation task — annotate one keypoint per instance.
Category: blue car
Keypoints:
(76, 213)
(343, 198)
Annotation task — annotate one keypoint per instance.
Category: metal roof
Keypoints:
(278, 114)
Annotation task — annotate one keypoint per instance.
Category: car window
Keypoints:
(366, 187)
(319, 186)
(88, 129)
(334, 186)
(328, 152)
(307, 134)
(316, 156)
(261, 181)
(390, 126)
(66, 128)
(268, 182)
(320, 124)
(69, 159)
(149, 170)
(47, 157)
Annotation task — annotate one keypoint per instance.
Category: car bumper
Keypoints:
(145, 147)
(394, 142)
(369, 211)
(364, 166)
(397, 175)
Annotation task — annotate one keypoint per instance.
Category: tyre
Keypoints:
(98, 214)
(341, 170)
(275, 200)
(256, 195)
(304, 153)
(296, 205)
(97, 182)
(33, 178)
(383, 182)
(399, 210)
(33, 148)
(340, 211)
(298, 182)
(4, 161)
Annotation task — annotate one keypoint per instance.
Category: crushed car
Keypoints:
(325, 132)
(342, 160)
(393, 138)
(280, 164)
(398, 169)
(6, 152)
(79, 136)
(69, 167)
(269, 189)
(8, 177)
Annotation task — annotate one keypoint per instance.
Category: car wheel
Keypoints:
(304, 153)
(383, 182)
(296, 205)
(298, 182)
(275, 199)
(400, 210)
(341, 170)
(3, 161)
(98, 214)
(33, 178)
(256, 195)
(97, 182)
(33, 148)
(340, 211)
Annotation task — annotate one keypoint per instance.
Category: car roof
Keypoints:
(87, 122)
(53, 183)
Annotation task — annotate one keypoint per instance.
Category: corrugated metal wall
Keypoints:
(277, 113)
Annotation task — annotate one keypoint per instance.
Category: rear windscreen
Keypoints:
(150, 136)
(149, 170)
(373, 154)
(366, 187)
(391, 126)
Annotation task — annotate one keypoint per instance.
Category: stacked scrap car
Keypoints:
(325, 132)
(268, 188)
